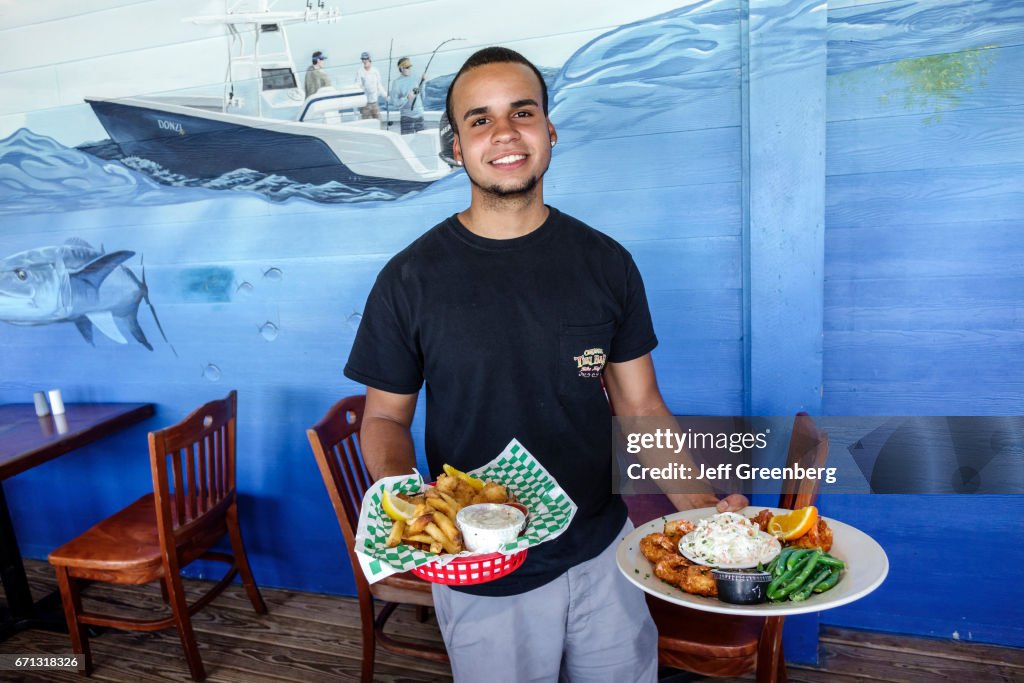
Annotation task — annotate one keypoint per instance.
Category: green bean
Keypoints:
(832, 580)
(776, 585)
(805, 590)
(796, 555)
(831, 561)
(794, 585)
(777, 564)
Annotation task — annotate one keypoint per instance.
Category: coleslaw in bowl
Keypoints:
(729, 541)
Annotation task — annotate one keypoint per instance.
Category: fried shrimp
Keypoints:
(762, 519)
(689, 577)
(657, 547)
(491, 493)
(820, 536)
(677, 528)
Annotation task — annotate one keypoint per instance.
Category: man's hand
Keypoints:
(695, 501)
(732, 503)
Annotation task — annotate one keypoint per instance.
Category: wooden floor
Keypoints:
(311, 637)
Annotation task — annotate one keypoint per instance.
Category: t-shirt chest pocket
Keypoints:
(582, 353)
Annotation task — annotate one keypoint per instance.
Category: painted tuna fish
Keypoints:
(75, 282)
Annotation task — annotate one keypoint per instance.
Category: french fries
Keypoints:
(397, 531)
(441, 505)
(447, 525)
(432, 526)
(449, 545)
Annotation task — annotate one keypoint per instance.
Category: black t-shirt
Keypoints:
(510, 337)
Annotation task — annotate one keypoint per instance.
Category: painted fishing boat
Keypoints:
(264, 122)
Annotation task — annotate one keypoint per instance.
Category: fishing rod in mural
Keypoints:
(265, 122)
(76, 283)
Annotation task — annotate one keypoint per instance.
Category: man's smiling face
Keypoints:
(504, 138)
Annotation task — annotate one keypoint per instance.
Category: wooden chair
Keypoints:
(192, 506)
(335, 443)
(723, 645)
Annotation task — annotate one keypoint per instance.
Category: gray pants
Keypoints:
(588, 625)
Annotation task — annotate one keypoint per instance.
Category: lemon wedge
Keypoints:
(396, 508)
(793, 525)
(477, 484)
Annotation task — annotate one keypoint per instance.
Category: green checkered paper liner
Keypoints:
(550, 508)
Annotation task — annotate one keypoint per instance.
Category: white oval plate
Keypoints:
(866, 568)
(698, 560)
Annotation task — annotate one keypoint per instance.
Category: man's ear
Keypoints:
(551, 133)
(457, 150)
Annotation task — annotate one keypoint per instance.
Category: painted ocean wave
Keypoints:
(37, 173)
(274, 187)
(648, 69)
(888, 32)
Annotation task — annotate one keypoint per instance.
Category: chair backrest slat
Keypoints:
(210, 457)
(191, 502)
(179, 489)
(808, 448)
(202, 484)
(200, 473)
(218, 458)
(354, 477)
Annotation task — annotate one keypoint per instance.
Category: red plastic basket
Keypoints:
(467, 571)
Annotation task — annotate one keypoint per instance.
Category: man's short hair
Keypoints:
(493, 55)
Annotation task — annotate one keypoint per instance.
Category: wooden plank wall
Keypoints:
(924, 283)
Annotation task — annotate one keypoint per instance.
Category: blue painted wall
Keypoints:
(924, 277)
(919, 243)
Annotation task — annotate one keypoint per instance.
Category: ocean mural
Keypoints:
(259, 263)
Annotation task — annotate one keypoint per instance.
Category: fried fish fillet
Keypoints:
(689, 577)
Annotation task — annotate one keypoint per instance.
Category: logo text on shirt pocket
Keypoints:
(590, 363)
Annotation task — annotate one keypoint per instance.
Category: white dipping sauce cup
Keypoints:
(488, 526)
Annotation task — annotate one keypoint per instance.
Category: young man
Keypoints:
(369, 80)
(316, 77)
(491, 308)
(405, 94)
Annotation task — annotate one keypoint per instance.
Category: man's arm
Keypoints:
(633, 391)
(385, 437)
